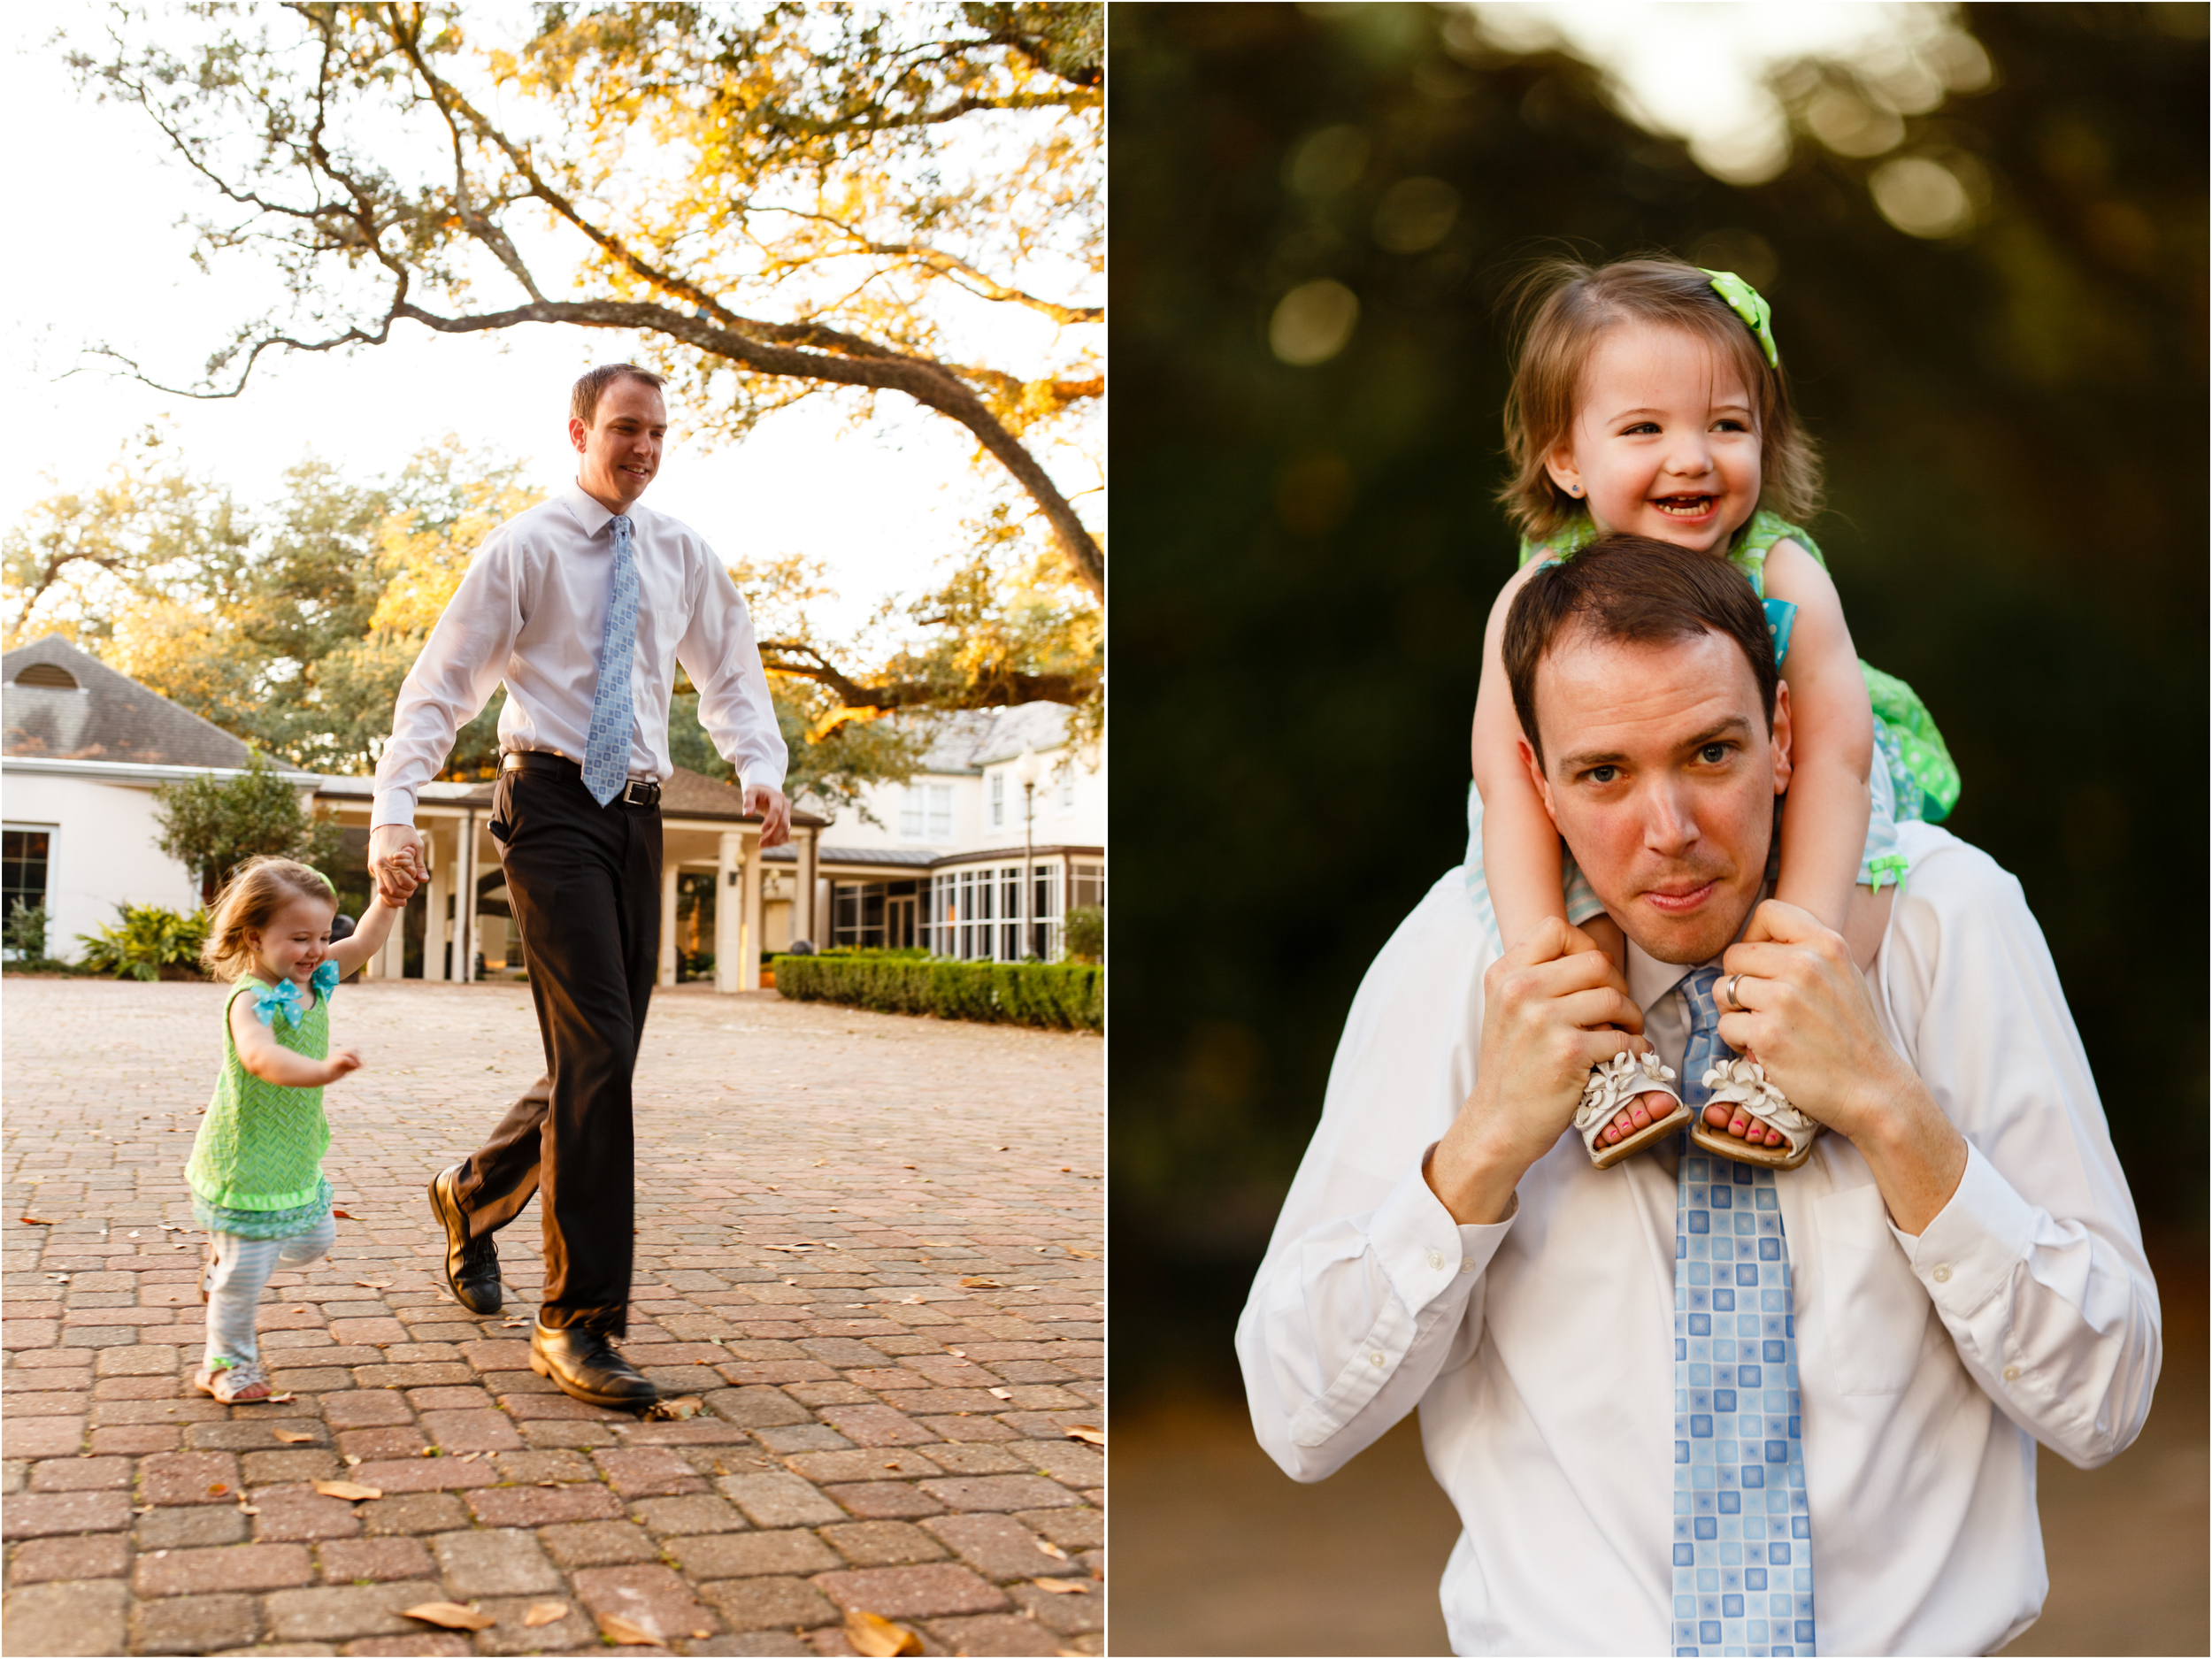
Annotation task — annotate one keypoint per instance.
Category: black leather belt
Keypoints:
(636, 792)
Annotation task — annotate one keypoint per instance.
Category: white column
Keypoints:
(395, 951)
(434, 917)
(727, 921)
(464, 900)
(668, 923)
(749, 944)
(802, 906)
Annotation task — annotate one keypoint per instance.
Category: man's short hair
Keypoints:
(1638, 591)
(583, 399)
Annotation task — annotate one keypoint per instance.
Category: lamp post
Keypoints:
(1027, 769)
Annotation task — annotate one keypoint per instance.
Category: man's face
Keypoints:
(1660, 772)
(622, 450)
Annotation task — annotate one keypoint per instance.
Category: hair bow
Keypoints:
(1749, 303)
(286, 995)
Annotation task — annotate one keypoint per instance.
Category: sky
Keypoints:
(881, 505)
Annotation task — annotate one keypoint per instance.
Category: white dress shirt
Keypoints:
(531, 612)
(1539, 1350)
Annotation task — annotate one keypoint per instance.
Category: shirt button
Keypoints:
(1436, 1259)
(2011, 1371)
(1374, 1359)
(1466, 1264)
(1942, 1273)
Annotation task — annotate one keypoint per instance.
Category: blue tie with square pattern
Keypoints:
(607, 746)
(1743, 1552)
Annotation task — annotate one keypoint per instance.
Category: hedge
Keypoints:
(1063, 997)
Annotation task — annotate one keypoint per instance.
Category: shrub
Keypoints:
(26, 934)
(146, 939)
(1062, 997)
(1086, 932)
(213, 826)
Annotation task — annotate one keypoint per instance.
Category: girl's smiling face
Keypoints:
(291, 945)
(1666, 440)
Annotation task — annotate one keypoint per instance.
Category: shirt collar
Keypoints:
(587, 511)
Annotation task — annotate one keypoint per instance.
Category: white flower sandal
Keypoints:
(1608, 1091)
(1742, 1082)
(234, 1381)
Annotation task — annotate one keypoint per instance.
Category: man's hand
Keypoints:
(1811, 1023)
(773, 811)
(1550, 1008)
(396, 861)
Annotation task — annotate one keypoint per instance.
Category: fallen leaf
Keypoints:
(982, 1284)
(878, 1638)
(1064, 1587)
(33, 1221)
(1052, 1549)
(245, 1508)
(217, 1490)
(1002, 1393)
(675, 1410)
(342, 1216)
(351, 1459)
(371, 1284)
(544, 1613)
(1085, 1432)
(452, 1615)
(354, 1492)
(292, 1437)
(619, 1629)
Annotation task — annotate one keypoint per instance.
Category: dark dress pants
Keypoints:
(583, 883)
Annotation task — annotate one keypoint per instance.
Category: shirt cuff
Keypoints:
(396, 806)
(1968, 1253)
(1422, 1251)
(768, 779)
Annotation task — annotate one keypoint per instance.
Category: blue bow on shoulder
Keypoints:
(287, 995)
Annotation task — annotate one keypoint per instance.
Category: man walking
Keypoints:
(582, 606)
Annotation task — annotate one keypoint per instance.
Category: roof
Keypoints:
(972, 739)
(104, 715)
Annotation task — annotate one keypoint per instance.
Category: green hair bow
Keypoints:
(1749, 303)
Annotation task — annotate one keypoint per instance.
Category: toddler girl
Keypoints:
(256, 1169)
(1648, 399)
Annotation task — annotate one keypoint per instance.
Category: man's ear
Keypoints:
(1536, 776)
(576, 431)
(1779, 739)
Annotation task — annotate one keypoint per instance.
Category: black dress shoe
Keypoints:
(583, 1364)
(471, 1265)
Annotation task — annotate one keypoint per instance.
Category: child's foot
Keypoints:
(232, 1381)
(1641, 1113)
(1731, 1121)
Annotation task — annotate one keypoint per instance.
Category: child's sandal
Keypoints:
(1742, 1082)
(1607, 1093)
(234, 1381)
(207, 1268)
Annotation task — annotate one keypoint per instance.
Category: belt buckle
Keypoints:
(637, 794)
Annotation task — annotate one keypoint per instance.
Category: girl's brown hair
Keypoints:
(1560, 307)
(256, 890)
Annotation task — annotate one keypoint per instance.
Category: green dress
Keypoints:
(256, 1168)
(1921, 772)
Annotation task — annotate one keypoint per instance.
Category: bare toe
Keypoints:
(1739, 1127)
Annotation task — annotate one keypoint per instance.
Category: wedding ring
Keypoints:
(1728, 990)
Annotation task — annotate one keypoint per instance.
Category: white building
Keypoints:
(999, 834)
(81, 751)
(981, 855)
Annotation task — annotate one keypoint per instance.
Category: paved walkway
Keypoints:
(868, 1247)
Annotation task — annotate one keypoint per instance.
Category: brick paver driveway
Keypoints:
(867, 1246)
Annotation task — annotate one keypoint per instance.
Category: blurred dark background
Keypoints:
(2010, 393)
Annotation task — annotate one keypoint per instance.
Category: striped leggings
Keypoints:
(242, 1272)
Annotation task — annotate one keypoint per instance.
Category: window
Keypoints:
(926, 815)
(24, 864)
(1009, 931)
(1067, 783)
(998, 800)
(1088, 882)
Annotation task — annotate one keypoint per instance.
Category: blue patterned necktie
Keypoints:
(1743, 1552)
(607, 749)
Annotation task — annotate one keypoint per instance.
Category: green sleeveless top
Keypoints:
(256, 1167)
(1921, 771)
